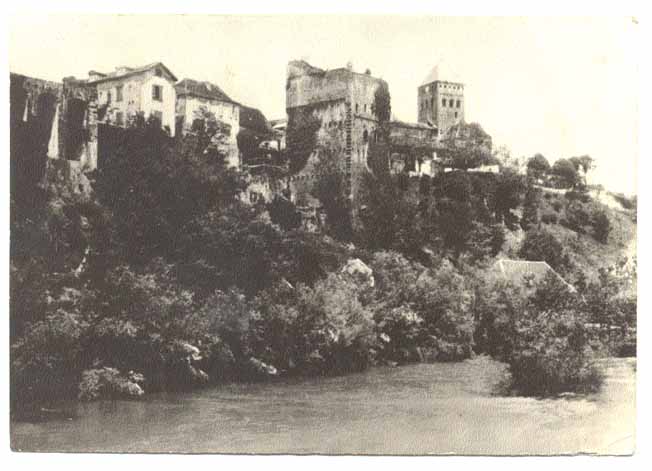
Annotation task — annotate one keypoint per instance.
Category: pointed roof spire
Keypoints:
(442, 72)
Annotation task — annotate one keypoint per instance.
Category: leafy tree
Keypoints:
(566, 172)
(330, 188)
(509, 189)
(584, 162)
(284, 213)
(538, 167)
(154, 185)
(541, 245)
(381, 106)
(531, 206)
(601, 226)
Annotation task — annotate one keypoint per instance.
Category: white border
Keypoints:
(403, 7)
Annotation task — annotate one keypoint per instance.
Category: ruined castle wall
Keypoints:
(302, 90)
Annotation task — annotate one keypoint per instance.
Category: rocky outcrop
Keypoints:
(359, 271)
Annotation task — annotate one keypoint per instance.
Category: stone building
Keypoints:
(343, 102)
(193, 96)
(441, 99)
(413, 148)
(57, 120)
(126, 91)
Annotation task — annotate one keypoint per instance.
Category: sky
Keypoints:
(556, 86)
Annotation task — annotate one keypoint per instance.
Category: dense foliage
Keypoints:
(164, 279)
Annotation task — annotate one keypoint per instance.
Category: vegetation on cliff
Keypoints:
(163, 279)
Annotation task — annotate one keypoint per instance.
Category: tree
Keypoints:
(584, 162)
(155, 185)
(566, 173)
(601, 226)
(531, 207)
(541, 245)
(537, 167)
(331, 190)
(284, 213)
(508, 193)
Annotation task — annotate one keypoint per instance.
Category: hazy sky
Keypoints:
(561, 87)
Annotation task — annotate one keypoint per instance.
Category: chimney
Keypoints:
(349, 66)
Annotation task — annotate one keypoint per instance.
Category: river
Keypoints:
(416, 409)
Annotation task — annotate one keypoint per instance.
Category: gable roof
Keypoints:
(515, 271)
(128, 71)
(206, 90)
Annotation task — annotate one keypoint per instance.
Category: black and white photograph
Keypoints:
(336, 234)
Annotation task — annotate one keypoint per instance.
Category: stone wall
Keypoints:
(53, 132)
(344, 102)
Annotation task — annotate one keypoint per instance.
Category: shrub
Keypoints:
(443, 300)
(498, 305)
(552, 353)
(601, 226)
(108, 383)
(549, 218)
(541, 245)
(45, 362)
(323, 329)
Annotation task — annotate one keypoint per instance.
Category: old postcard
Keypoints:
(325, 234)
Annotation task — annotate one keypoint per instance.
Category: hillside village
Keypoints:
(166, 236)
(77, 110)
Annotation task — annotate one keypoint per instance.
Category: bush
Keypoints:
(323, 329)
(45, 362)
(541, 245)
(108, 383)
(549, 218)
(552, 354)
(601, 226)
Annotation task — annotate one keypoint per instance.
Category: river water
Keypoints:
(416, 409)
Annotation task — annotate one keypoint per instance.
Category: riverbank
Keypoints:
(415, 409)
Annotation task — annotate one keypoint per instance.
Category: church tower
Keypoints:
(441, 100)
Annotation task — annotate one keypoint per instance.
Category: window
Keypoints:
(443, 102)
(456, 114)
(158, 72)
(108, 97)
(365, 136)
(157, 93)
(356, 108)
(365, 108)
(118, 93)
(458, 103)
(450, 103)
(119, 118)
(432, 103)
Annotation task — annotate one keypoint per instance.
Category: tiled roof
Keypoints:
(516, 271)
(127, 71)
(202, 89)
